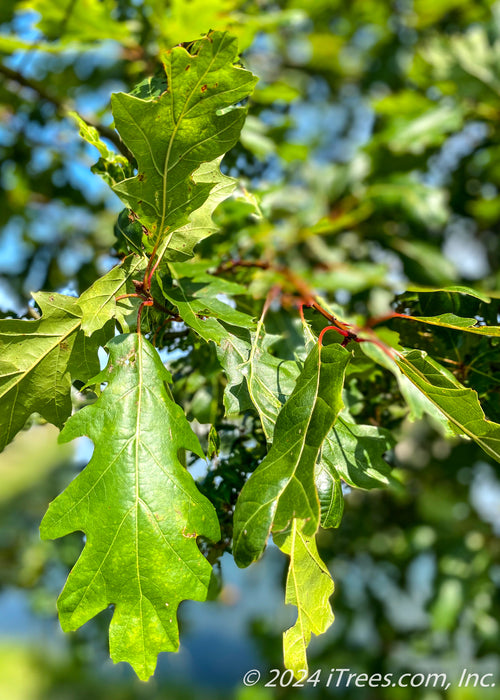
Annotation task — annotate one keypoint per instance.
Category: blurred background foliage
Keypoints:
(372, 146)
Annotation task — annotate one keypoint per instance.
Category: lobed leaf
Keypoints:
(178, 139)
(40, 360)
(138, 507)
(308, 587)
(98, 302)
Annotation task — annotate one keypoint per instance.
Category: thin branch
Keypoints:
(232, 264)
(64, 106)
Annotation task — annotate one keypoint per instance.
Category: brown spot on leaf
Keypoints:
(188, 534)
(203, 88)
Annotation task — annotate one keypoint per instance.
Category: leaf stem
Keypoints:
(147, 302)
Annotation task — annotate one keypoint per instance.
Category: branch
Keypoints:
(63, 107)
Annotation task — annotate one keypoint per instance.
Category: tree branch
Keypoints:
(63, 107)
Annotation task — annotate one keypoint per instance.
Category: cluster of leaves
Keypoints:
(241, 302)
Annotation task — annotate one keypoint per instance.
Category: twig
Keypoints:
(64, 106)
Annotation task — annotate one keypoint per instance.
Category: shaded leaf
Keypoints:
(331, 498)
(355, 452)
(418, 403)
(458, 404)
(197, 299)
(255, 377)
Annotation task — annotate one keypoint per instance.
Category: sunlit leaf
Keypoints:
(177, 139)
(139, 509)
(40, 360)
(282, 487)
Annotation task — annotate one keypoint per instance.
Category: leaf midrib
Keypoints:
(469, 433)
(169, 149)
(297, 461)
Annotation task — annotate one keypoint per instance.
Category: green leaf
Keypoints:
(421, 203)
(458, 404)
(458, 323)
(129, 233)
(186, 21)
(331, 498)
(111, 166)
(309, 587)
(91, 135)
(83, 20)
(282, 487)
(415, 133)
(452, 289)
(178, 138)
(138, 507)
(196, 298)
(355, 453)
(200, 224)
(255, 377)
(418, 403)
(232, 354)
(270, 380)
(465, 64)
(213, 443)
(98, 302)
(40, 360)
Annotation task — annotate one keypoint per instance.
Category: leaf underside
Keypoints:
(281, 497)
(458, 404)
(308, 587)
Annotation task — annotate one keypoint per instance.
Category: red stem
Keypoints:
(128, 296)
(331, 328)
(148, 302)
(147, 282)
